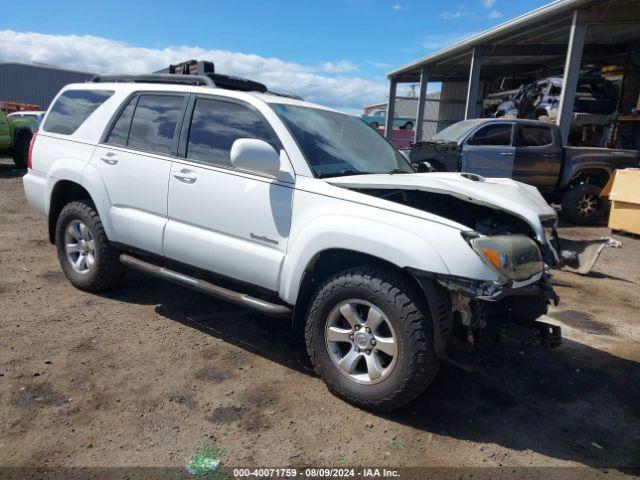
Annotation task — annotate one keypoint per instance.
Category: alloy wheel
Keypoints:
(79, 247)
(361, 341)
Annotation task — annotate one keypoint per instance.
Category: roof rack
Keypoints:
(208, 79)
(156, 78)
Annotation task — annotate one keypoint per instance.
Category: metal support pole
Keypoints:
(422, 98)
(571, 74)
(391, 107)
(474, 82)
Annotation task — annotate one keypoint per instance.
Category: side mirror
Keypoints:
(255, 155)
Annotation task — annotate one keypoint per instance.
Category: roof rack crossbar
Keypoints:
(156, 78)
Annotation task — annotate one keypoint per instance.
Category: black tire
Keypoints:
(375, 125)
(416, 363)
(575, 205)
(408, 126)
(107, 269)
(20, 151)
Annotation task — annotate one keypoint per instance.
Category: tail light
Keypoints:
(30, 154)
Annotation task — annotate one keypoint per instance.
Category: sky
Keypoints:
(333, 52)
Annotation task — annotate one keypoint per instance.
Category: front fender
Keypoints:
(398, 246)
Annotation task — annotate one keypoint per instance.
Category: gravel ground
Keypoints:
(150, 372)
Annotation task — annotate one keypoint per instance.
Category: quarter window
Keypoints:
(216, 124)
(72, 108)
(120, 132)
(154, 123)
(534, 136)
(492, 135)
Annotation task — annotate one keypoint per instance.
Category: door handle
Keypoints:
(186, 176)
(506, 154)
(109, 158)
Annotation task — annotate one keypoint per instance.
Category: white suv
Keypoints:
(300, 211)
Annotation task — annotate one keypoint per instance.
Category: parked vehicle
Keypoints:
(15, 137)
(34, 115)
(378, 118)
(296, 210)
(594, 95)
(530, 152)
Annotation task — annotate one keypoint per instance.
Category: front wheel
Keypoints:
(370, 338)
(86, 256)
(582, 205)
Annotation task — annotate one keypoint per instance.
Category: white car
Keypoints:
(36, 115)
(311, 213)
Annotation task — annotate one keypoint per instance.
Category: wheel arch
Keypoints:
(594, 175)
(430, 295)
(62, 193)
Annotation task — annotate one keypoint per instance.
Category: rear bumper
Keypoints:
(35, 187)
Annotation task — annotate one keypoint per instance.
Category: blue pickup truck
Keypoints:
(531, 152)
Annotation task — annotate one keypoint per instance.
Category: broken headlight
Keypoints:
(513, 257)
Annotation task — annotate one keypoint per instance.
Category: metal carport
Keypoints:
(555, 39)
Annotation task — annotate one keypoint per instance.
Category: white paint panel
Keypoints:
(137, 187)
(228, 222)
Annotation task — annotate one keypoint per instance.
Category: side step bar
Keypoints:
(203, 286)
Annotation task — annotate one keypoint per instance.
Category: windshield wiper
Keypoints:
(342, 173)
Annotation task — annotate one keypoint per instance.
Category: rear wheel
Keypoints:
(582, 205)
(20, 150)
(86, 256)
(369, 340)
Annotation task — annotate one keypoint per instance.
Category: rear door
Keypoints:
(489, 151)
(538, 155)
(134, 162)
(222, 219)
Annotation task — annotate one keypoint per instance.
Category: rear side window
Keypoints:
(154, 123)
(492, 135)
(216, 124)
(72, 108)
(534, 136)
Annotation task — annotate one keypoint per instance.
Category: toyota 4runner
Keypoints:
(296, 210)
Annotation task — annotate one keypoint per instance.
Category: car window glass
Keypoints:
(534, 136)
(120, 131)
(492, 135)
(154, 123)
(216, 124)
(72, 108)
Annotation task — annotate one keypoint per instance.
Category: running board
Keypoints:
(203, 286)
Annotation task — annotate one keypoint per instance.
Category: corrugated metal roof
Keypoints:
(547, 12)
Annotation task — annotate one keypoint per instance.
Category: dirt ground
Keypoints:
(150, 372)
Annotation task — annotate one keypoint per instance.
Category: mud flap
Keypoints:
(580, 256)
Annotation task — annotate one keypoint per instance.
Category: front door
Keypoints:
(221, 219)
(135, 163)
(489, 151)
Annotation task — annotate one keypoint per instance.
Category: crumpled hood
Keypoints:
(504, 194)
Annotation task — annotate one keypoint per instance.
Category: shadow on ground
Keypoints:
(576, 403)
(8, 170)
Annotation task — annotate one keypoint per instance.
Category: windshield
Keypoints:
(455, 132)
(336, 144)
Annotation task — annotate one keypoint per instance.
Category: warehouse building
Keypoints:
(35, 83)
(565, 40)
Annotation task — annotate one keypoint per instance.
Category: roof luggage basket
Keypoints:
(190, 72)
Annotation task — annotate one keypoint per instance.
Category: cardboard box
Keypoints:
(625, 201)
